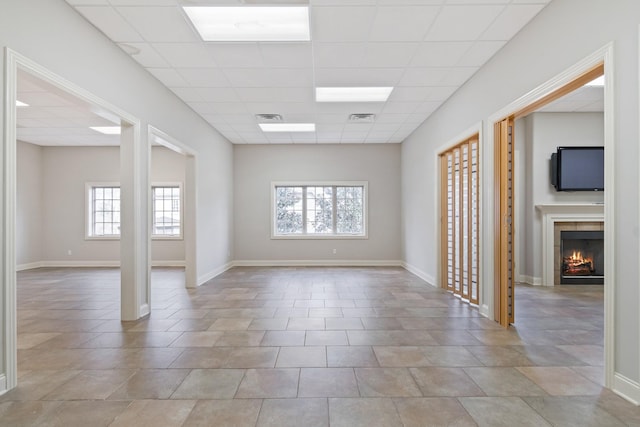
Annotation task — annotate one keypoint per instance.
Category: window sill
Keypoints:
(320, 237)
(161, 237)
(102, 238)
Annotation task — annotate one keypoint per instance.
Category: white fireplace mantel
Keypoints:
(562, 213)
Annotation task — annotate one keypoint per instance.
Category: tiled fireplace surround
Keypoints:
(557, 218)
(568, 226)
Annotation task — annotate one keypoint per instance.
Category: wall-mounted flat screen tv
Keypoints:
(578, 169)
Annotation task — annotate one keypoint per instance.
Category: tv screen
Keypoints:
(580, 169)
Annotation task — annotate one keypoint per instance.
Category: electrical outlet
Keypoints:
(69, 252)
(335, 251)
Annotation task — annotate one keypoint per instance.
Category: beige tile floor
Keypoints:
(304, 347)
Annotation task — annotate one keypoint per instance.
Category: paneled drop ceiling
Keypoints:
(53, 117)
(425, 49)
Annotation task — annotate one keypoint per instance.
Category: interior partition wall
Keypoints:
(459, 168)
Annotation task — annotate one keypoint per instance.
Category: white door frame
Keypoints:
(189, 200)
(603, 55)
(132, 242)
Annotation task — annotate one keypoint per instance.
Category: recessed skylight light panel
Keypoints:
(250, 23)
(288, 127)
(353, 94)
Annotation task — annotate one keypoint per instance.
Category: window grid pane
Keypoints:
(289, 210)
(166, 211)
(350, 210)
(319, 210)
(105, 211)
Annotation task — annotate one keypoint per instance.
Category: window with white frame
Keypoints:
(104, 211)
(167, 210)
(316, 210)
(103, 219)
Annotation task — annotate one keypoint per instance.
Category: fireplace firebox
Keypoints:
(582, 255)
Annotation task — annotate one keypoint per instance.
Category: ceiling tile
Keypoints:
(328, 136)
(423, 76)
(440, 93)
(392, 118)
(357, 127)
(480, 53)
(189, 94)
(400, 107)
(185, 55)
(342, 24)
(342, 2)
(287, 55)
(389, 55)
(204, 77)
(458, 75)
(268, 94)
(160, 24)
(460, 23)
(427, 107)
(218, 94)
(283, 108)
(144, 54)
(87, 2)
(143, 2)
(111, 23)
(43, 99)
(331, 119)
(346, 108)
(440, 54)
(408, 94)
(408, 23)
(269, 77)
(333, 127)
(236, 55)
(338, 55)
(168, 76)
(510, 21)
(358, 77)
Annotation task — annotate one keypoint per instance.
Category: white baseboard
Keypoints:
(317, 263)
(421, 274)
(530, 280)
(28, 266)
(90, 264)
(210, 275)
(3, 384)
(626, 388)
(484, 311)
(168, 263)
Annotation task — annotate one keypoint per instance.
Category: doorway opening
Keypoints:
(504, 195)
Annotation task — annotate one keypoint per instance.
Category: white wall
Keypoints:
(543, 133)
(255, 167)
(55, 208)
(539, 52)
(57, 38)
(62, 41)
(29, 206)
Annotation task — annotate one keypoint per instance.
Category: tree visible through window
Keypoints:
(166, 210)
(319, 210)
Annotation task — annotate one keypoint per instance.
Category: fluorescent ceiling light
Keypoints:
(107, 130)
(249, 23)
(353, 94)
(288, 127)
(21, 104)
(598, 81)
